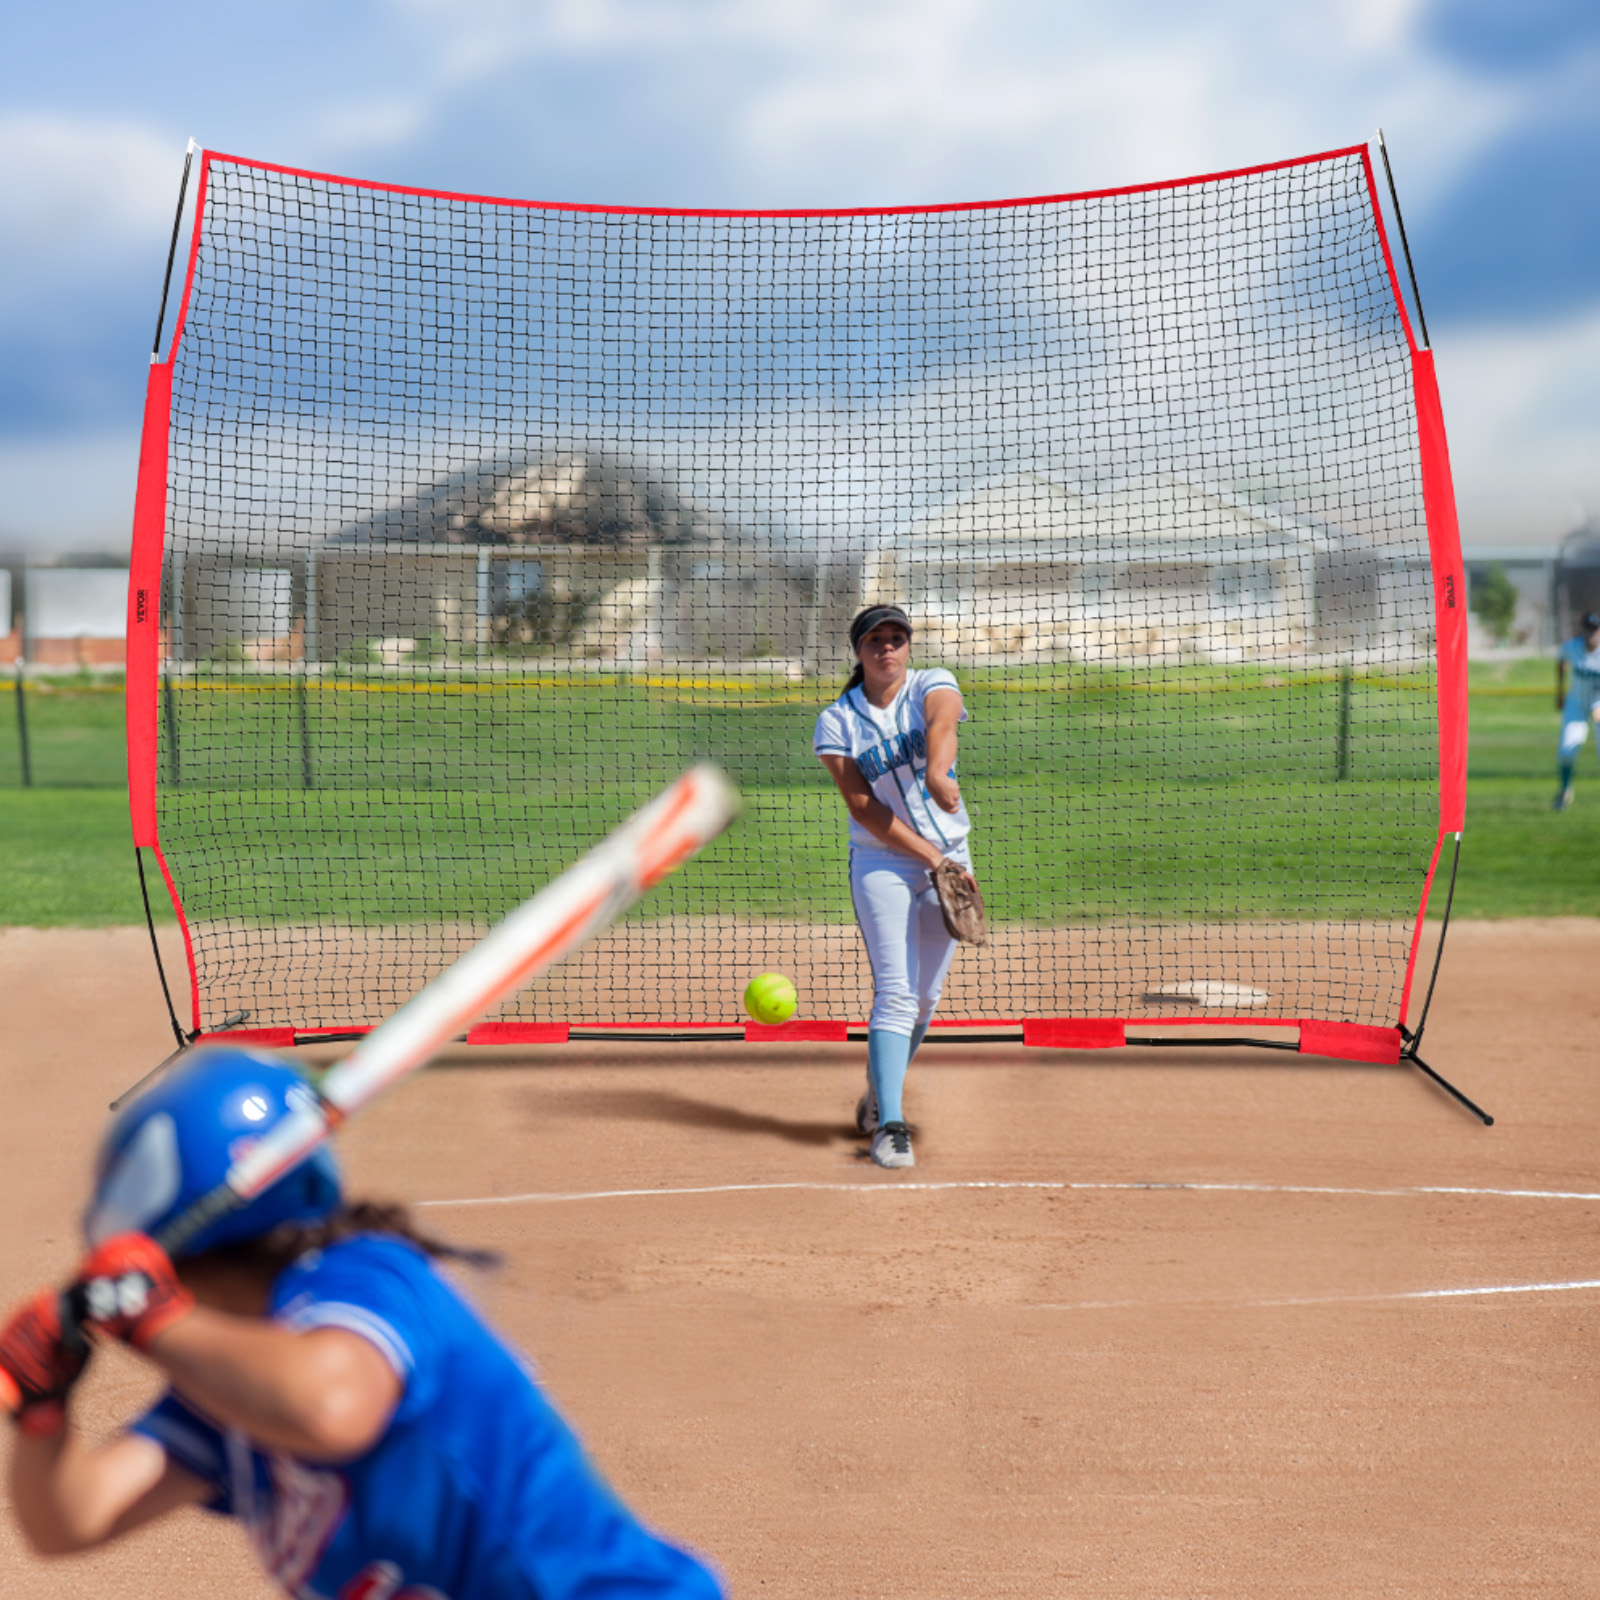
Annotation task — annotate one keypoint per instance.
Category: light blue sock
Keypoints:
(1566, 773)
(918, 1034)
(888, 1056)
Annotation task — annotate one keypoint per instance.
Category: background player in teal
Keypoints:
(328, 1387)
(889, 742)
(1577, 691)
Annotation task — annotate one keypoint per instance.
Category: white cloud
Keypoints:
(825, 102)
(71, 187)
(860, 101)
(378, 123)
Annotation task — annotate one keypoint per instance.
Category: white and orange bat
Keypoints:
(585, 899)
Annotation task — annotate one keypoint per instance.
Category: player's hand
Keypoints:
(128, 1289)
(41, 1357)
(945, 791)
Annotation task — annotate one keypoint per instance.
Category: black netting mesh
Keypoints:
(485, 519)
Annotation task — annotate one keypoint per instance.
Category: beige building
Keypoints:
(1030, 569)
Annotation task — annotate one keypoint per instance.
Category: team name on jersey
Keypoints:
(899, 751)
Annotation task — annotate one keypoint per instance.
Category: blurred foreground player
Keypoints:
(326, 1384)
(1577, 693)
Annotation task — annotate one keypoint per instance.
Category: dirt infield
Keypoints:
(1141, 1324)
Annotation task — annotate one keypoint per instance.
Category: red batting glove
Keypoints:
(41, 1357)
(128, 1289)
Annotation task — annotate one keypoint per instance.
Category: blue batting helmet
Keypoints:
(176, 1143)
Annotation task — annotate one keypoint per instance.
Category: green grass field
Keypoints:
(1090, 791)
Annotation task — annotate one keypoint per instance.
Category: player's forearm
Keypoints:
(67, 1498)
(942, 746)
(41, 1493)
(887, 828)
(285, 1390)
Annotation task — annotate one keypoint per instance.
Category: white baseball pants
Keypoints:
(907, 943)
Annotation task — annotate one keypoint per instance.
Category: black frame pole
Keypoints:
(1415, 1039)
(1394, 196)
(161, 971)
(1342, 766)
(1412, 1040)
(172, 249)
(308, 771)
(22, 728)
(170, 715)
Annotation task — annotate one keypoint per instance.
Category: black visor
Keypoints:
(868, 620)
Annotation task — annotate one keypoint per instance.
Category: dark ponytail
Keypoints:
(856, 675)
(286, 1243)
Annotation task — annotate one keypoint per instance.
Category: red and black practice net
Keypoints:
(465, 524)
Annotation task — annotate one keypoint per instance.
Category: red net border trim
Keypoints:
(818, 211)
(1342, 1041)
(1444, 540)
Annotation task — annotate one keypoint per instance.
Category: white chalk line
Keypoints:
(1061, 1185)
(1322, 1300)
(1058, 1185)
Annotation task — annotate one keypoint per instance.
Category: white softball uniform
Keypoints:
(1583, 694)
(908, 946)
(891, 749)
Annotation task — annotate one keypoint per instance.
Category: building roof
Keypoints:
(1032, 518)
(550, 497)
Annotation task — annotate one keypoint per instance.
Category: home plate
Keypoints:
(1209, 992)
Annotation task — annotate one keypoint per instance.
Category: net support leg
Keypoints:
(149, 1078)
(1413, 1041)
(1449, 1088)
(162, 1065)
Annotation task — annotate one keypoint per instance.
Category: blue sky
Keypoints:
(1492, 113)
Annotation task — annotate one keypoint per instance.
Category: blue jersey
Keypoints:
(1583, 680)
(476, 1491)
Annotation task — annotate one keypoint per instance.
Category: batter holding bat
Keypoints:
(327, 1386)
(889, 743)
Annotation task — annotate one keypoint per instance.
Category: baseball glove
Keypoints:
(960, 903)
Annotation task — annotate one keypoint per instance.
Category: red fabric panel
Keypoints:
(1074, 1033)
(848, 211)
(798, 1032)
(1449, 594)
(519, 1033)
(144, 605)
(267, 1038)
(1350, 1041)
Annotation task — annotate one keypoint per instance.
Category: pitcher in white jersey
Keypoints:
(889, 742)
